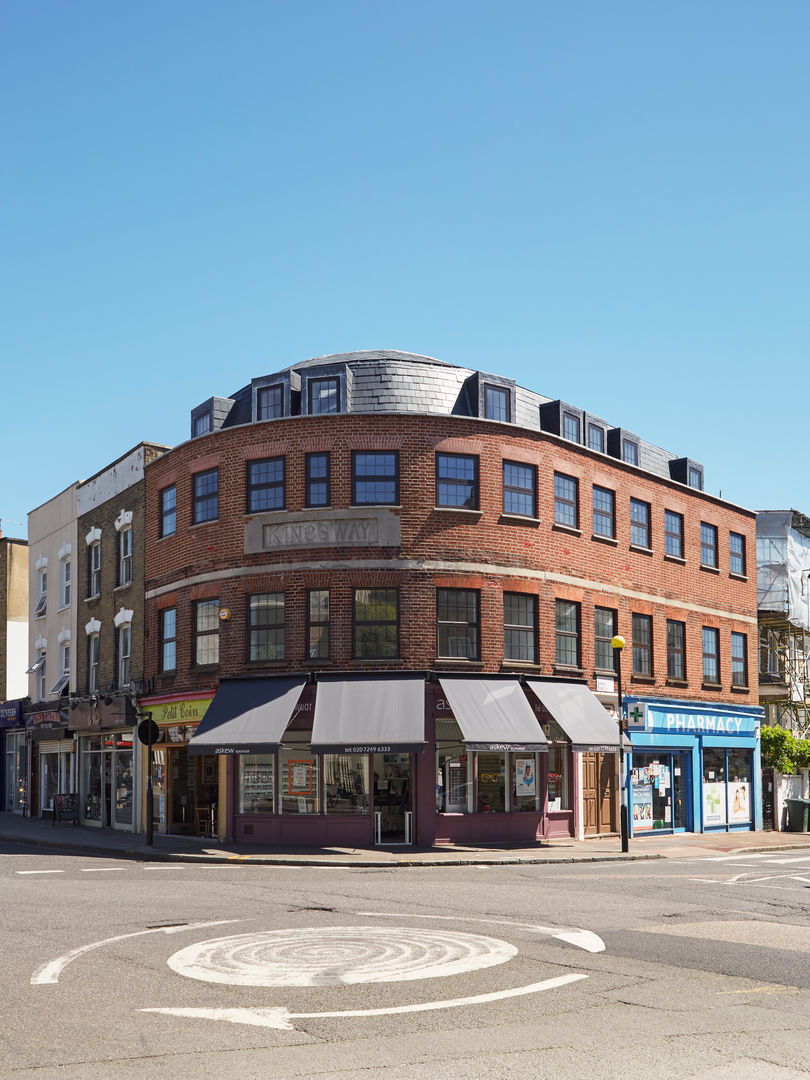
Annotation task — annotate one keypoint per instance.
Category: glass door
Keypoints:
(392, 799)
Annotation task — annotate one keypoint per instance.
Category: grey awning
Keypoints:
(247, 716)
(364, 715)
(580, 714)
(494, 714)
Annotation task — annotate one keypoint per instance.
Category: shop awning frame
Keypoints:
(248, 716)
(581, 715)
(494, 715)
(369, 713)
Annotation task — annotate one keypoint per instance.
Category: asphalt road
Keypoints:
(687, 968)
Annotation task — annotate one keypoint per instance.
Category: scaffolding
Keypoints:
(783, 601)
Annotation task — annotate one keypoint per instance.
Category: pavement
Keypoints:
(113, 844)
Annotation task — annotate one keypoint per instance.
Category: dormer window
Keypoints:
(201, 425)
(270, 402)
(695, 477)
(571, 427)
(630, 451)
(596, 438)
(323, 395)
(496, 403)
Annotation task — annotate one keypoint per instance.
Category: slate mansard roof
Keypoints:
(389, 381)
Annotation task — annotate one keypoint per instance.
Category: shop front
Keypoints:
(14, 774)
(694, 767)
(107, 764)
(185, 788)
(48, 754)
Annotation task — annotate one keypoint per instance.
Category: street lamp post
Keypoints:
(617, 644)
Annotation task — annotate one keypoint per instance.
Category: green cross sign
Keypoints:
(636, 714)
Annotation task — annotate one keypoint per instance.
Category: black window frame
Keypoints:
(711, 656)
(358, 624)
(313, 624)
(673, 539)
(453, 483)
(277, 405)
(630, 452)
(739, 658)
(316, 380)
(211, 632)
(199, 499)
(311, 482)
(520, 634)
(676, 649)
(736, 556)
(576, 422)
(709, 545)
(518, 492)
(602, 640)
(600, 514)
(640, 526)
(566, 504)
(491, 391)
(373, 478)
(449, 602)
(258, 633)
(564, 634)
(168, 513)
(602, 440)
(642, 644)
(255, 488)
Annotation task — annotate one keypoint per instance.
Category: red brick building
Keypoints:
(398, 580)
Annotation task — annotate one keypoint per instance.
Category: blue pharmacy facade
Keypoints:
(693, 767)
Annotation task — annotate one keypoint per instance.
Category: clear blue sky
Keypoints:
(607, 201)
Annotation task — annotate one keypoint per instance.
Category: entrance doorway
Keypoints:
(184, 791)
(393, 815)
(599, 794)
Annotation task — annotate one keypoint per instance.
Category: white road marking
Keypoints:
(757, 856)
(102, 869)
(338, 956)
(165, 866)
(279, 1018)
(49, 973)
(39, 871)
(583, 939)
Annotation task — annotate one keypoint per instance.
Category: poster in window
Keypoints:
(642, 807)
(714, 803)
(300, 777)
(739, 803)
(525, 777)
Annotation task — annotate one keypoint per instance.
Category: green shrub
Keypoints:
(782, 751)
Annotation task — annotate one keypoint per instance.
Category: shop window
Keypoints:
(168, 511)
(567, 626)
(206, 632)
(454, 775)
(457, 481)
(266, 627)
(491, 783)
(299, 777)
(711, 655)
(676, 649)
(345, 779)
(640, 523)
(457, 617)
(658, 792)
(708, 545)
(94, 557)
(526, 796)
(205, 496)
(566, 500)
(375, 478)
(604, 512)
(642, 645)
(673, 534)
(604, 631)
(739, 659)
(125, 556)
(559, 797)
(519, 489)
(266, 485)
(375, 622)
(318, 624)
(736, 552)
(256, 784)
(168, 640)
(520, 627)
(318, 480)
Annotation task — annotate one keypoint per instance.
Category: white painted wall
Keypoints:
(16, 660)
(111, 481)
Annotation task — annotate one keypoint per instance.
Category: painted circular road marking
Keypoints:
(338, 956)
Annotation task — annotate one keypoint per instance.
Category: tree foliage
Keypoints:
(781, 750)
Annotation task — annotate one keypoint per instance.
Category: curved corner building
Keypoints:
(380, 597)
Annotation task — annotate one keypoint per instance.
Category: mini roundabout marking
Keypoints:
(352, 955)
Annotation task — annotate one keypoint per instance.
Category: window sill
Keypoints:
(568, 529)
(375, 506)
(203, 669)
(458, 661)
(675, 559)
(710, 569)
(457, 510)
(90, 599)
(611, 540)
(118, 588)
(605, 673)
(740, 689)
(519, 519)
(521, 665)
(200, 524)
(711, 686)
(640, 550)
(568, 669)
(738, 577)
(395, 661)
(682, 683)
(270, 510)
(647, 680)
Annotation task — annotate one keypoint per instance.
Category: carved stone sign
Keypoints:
(322, 529)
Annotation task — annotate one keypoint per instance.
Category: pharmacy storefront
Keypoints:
(694, 767)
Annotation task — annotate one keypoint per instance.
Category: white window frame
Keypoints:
(95, 568)
(125, 556)
(93, 650)
(124, 657)
(65, 582)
